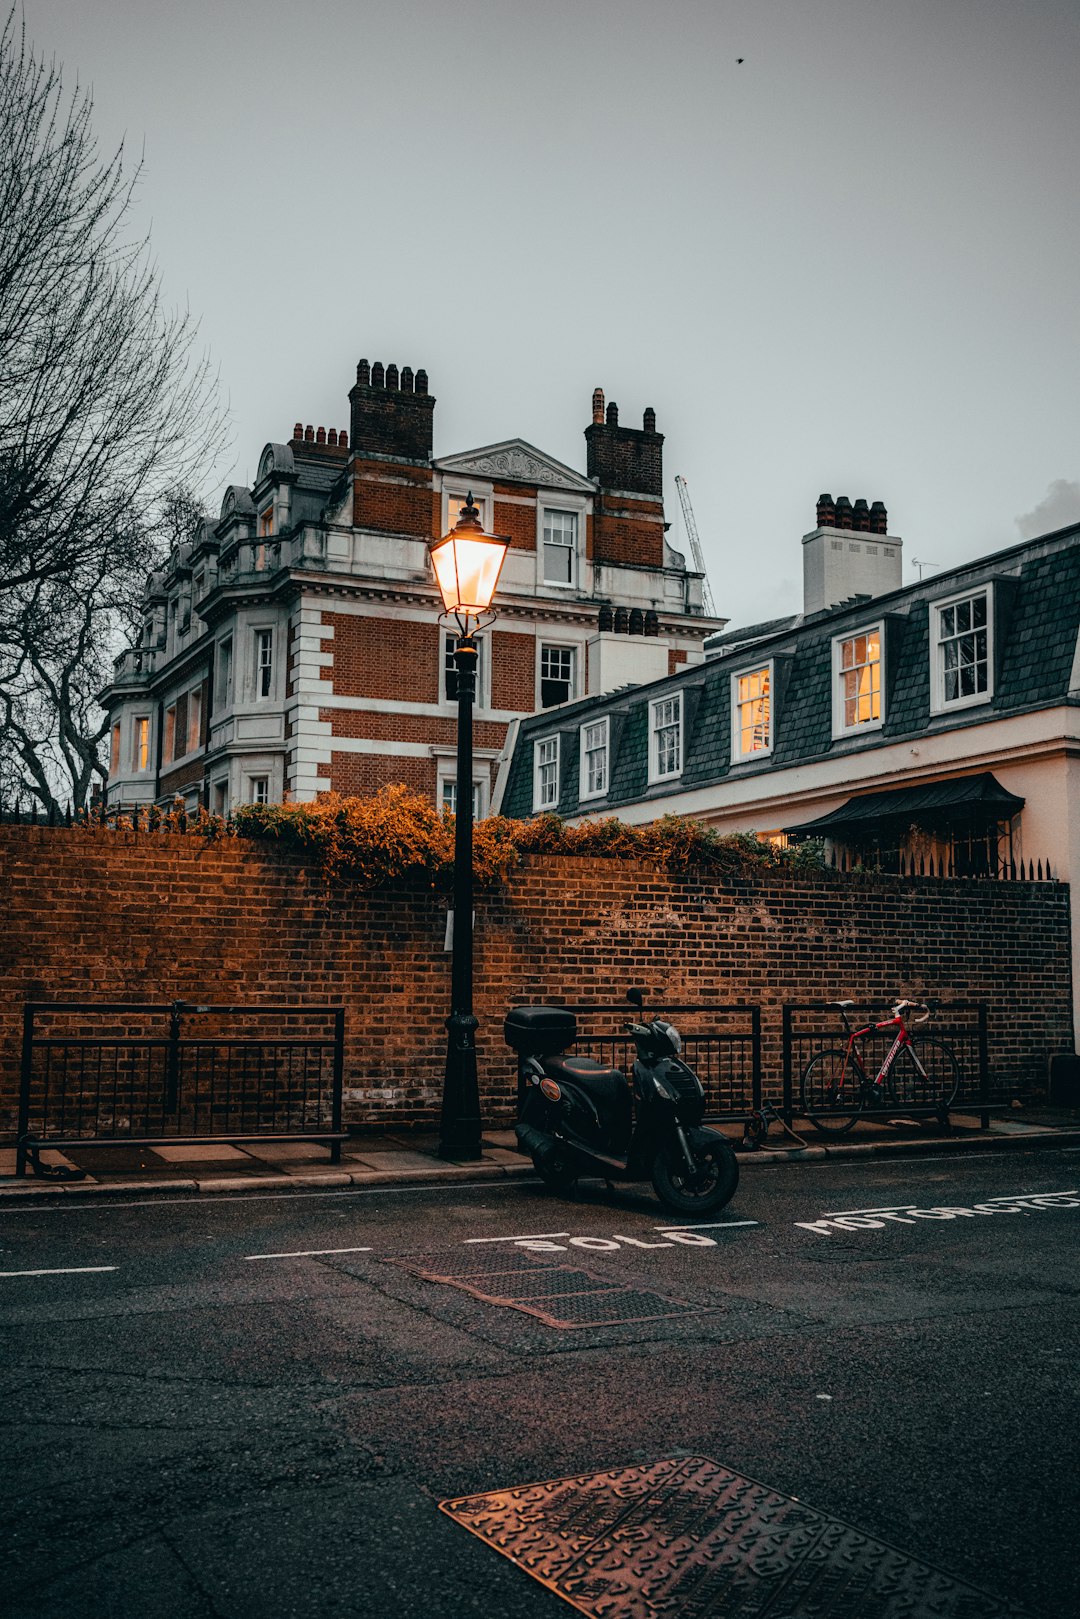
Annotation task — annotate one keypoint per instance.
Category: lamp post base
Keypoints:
(460, 1132)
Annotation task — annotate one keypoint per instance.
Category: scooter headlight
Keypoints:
(673, 1036)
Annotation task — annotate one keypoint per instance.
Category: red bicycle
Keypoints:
(920, 1073)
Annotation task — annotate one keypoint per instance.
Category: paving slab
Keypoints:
(201, 1153)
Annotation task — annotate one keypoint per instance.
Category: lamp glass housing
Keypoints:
(467, 565)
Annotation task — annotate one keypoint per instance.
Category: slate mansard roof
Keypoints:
(1036, 618)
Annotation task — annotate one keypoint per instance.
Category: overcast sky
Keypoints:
(849, 263)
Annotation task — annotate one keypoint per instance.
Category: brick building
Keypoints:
(294, 647)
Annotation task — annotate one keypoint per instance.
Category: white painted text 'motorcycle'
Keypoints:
(910, 1214)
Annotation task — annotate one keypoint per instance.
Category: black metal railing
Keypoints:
(722, 1044)
(812, 1026)
(132, 1074)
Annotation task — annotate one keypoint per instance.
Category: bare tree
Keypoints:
(105, 411)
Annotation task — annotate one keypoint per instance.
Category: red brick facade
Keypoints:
(94, 915)
(391, 658)
(513, 671)
(393, 499)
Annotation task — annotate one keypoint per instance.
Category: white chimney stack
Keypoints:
(849, 554)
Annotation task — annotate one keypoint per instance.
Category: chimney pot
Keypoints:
(843, 512)
(613, 414)
(606, 618)
(861, 516)
(826, 511)
(598, 405)
(652, 623)
(363, 373)
(637, 621)
(298, 431)
(309, 434)
(879, 518)
(622, 620)
(649, 420)
(406, 379)
(378, 375)
(421, 382)
(392, 377)
(331, 437)
(343, 440)
(320, 435)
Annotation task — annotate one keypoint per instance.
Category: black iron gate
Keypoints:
(722, 1044)
(132, 1074)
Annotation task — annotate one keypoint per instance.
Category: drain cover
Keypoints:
(689, 1539)
(561, 1296)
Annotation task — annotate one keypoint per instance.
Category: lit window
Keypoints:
(594, 759)
(665, 737)
(114, 751)
(858, 681)
(546, 773)
(194, 719)
(560, 547)
(142, 743)
(751, 710)
(264, 662)
(170, 734)
(557, 669)
(455, 505)
(223, 683)
(260, 790)
(962, 656)
(450, 674)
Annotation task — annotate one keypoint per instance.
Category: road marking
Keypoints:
(908, 1213)
(535, 1236)
(309, 1253)
(707, 1225)
(65, 1270)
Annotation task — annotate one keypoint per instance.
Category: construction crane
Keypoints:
(695, 545)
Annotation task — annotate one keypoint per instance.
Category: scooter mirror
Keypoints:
(635, 997)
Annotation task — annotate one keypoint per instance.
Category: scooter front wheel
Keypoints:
(710, 1188)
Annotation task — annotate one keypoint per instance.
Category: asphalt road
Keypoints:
(236, 1406)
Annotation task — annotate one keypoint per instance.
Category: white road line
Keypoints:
(66, 1270)
(535, 1236)
(892, 1208)
(309, 1253)
(707, 1225)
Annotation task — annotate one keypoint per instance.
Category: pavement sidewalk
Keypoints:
(404, 1159)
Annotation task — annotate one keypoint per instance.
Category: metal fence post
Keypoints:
(755, 1055)
(172, 1060)
(23, 1128)
(984, 1066)
(785, 1025)
(339, 1079)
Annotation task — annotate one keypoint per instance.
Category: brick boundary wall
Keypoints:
(114, 915)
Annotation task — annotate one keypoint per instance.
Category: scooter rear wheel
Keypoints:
(555, 1170)
(704, 1193)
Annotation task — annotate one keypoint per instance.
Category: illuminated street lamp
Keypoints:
(467, 565)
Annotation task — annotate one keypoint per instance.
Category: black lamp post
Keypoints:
(467, 565)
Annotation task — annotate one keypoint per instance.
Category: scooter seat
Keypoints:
(606, 1086)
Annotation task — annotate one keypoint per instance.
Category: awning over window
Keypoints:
(939, 802)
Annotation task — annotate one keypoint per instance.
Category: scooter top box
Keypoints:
(539, 1031)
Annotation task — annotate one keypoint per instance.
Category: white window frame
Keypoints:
(483, 494)
(572, 550)
(259, 631)
(939, 703)
(575, 673)
(253, 784)
(482, 699)
(541, 803)
(448, 779)
(223, 688)
(861, 728)
(574, 506)
(658, 703)
(738, 755)
(584, 791)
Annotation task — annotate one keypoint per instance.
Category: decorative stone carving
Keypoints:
(518, 461)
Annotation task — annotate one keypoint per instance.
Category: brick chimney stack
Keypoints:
(628, 458)
(391, 413)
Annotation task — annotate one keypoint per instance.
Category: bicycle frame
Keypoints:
(903, 1041)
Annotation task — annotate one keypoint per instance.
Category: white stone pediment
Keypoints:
(518, 462)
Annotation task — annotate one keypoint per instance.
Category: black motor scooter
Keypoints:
(579, 1118)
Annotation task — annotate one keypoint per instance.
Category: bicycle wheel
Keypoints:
(831, 1092)
(942, 1074)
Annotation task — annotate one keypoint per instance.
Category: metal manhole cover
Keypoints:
(689, 1539)
(561, 1296)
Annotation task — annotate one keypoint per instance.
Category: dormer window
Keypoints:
(665, 738)
(961, 633)
(857, 682)
(751, 714)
